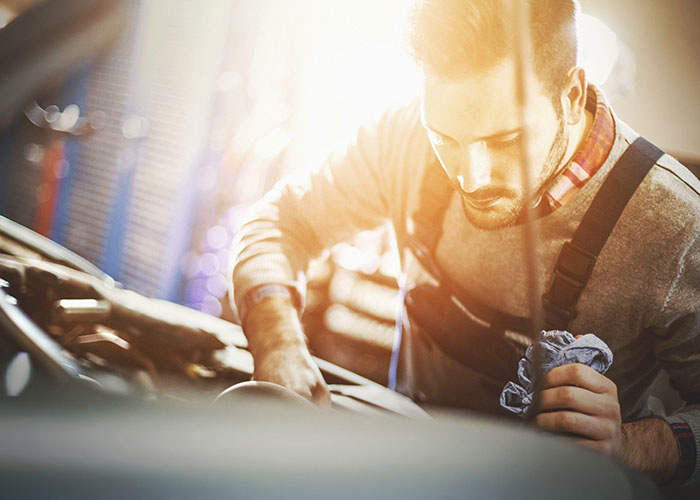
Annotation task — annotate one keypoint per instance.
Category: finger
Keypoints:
(318, 389)
(321, 395)
(578, 375)
(304, 384)
(604, 446)
(575, 423)
(297, 382)
(600, 446)
(575, 399)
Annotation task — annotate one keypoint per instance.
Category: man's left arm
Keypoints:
(576, 399)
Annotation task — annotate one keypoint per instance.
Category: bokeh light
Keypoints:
(597, 48)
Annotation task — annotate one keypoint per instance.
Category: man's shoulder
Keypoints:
(394, 136)
(678, 181)
(676, 191)
(404, 144)
(670, 185)
(402, 119)
(663, 216)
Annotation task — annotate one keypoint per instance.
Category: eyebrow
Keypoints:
(501, 133)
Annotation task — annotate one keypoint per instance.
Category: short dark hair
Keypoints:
(452, 37)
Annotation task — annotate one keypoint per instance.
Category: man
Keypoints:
(446, 172)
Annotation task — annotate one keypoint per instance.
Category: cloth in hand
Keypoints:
(557, 348)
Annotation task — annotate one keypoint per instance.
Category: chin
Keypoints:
(503, 215)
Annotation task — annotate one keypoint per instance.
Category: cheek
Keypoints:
(509, 162)
(543, 140)
(540, 150)
(506, 166)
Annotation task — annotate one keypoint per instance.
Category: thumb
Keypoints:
(320, 394)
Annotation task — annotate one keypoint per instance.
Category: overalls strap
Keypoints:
(578, 256)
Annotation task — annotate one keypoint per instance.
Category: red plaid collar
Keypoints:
(590, 156)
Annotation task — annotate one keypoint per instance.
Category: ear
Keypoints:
(573, 99)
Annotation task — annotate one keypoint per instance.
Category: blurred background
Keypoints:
(143, 155)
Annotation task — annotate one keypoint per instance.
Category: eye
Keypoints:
(506, 140)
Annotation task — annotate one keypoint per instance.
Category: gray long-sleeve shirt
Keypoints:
(643, 298)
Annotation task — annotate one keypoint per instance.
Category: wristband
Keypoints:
(260, 293)
(686, 447)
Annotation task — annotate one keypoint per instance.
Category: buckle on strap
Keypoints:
(555, 315)
(575, 264)
(574, 267)
(571, 273)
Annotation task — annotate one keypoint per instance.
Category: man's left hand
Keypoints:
(578, 401)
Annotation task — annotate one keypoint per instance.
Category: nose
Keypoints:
(475, 167)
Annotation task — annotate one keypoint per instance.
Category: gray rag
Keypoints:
(557, 348)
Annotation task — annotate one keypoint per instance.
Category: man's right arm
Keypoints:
(293, 224)
(276, 340)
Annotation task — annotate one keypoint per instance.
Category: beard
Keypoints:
(510, 203)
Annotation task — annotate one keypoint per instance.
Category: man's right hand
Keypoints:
(294, 369)
(276, 340)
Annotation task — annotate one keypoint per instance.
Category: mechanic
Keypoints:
(445, 171)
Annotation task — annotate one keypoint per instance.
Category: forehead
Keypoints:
(473, 105)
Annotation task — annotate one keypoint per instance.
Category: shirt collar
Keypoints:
(589, 157)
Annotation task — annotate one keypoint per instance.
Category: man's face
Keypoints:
(474, 127)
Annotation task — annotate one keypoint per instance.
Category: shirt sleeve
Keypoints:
(677, 347)
(303, 215)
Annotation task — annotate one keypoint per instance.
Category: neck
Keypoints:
(578, 135)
